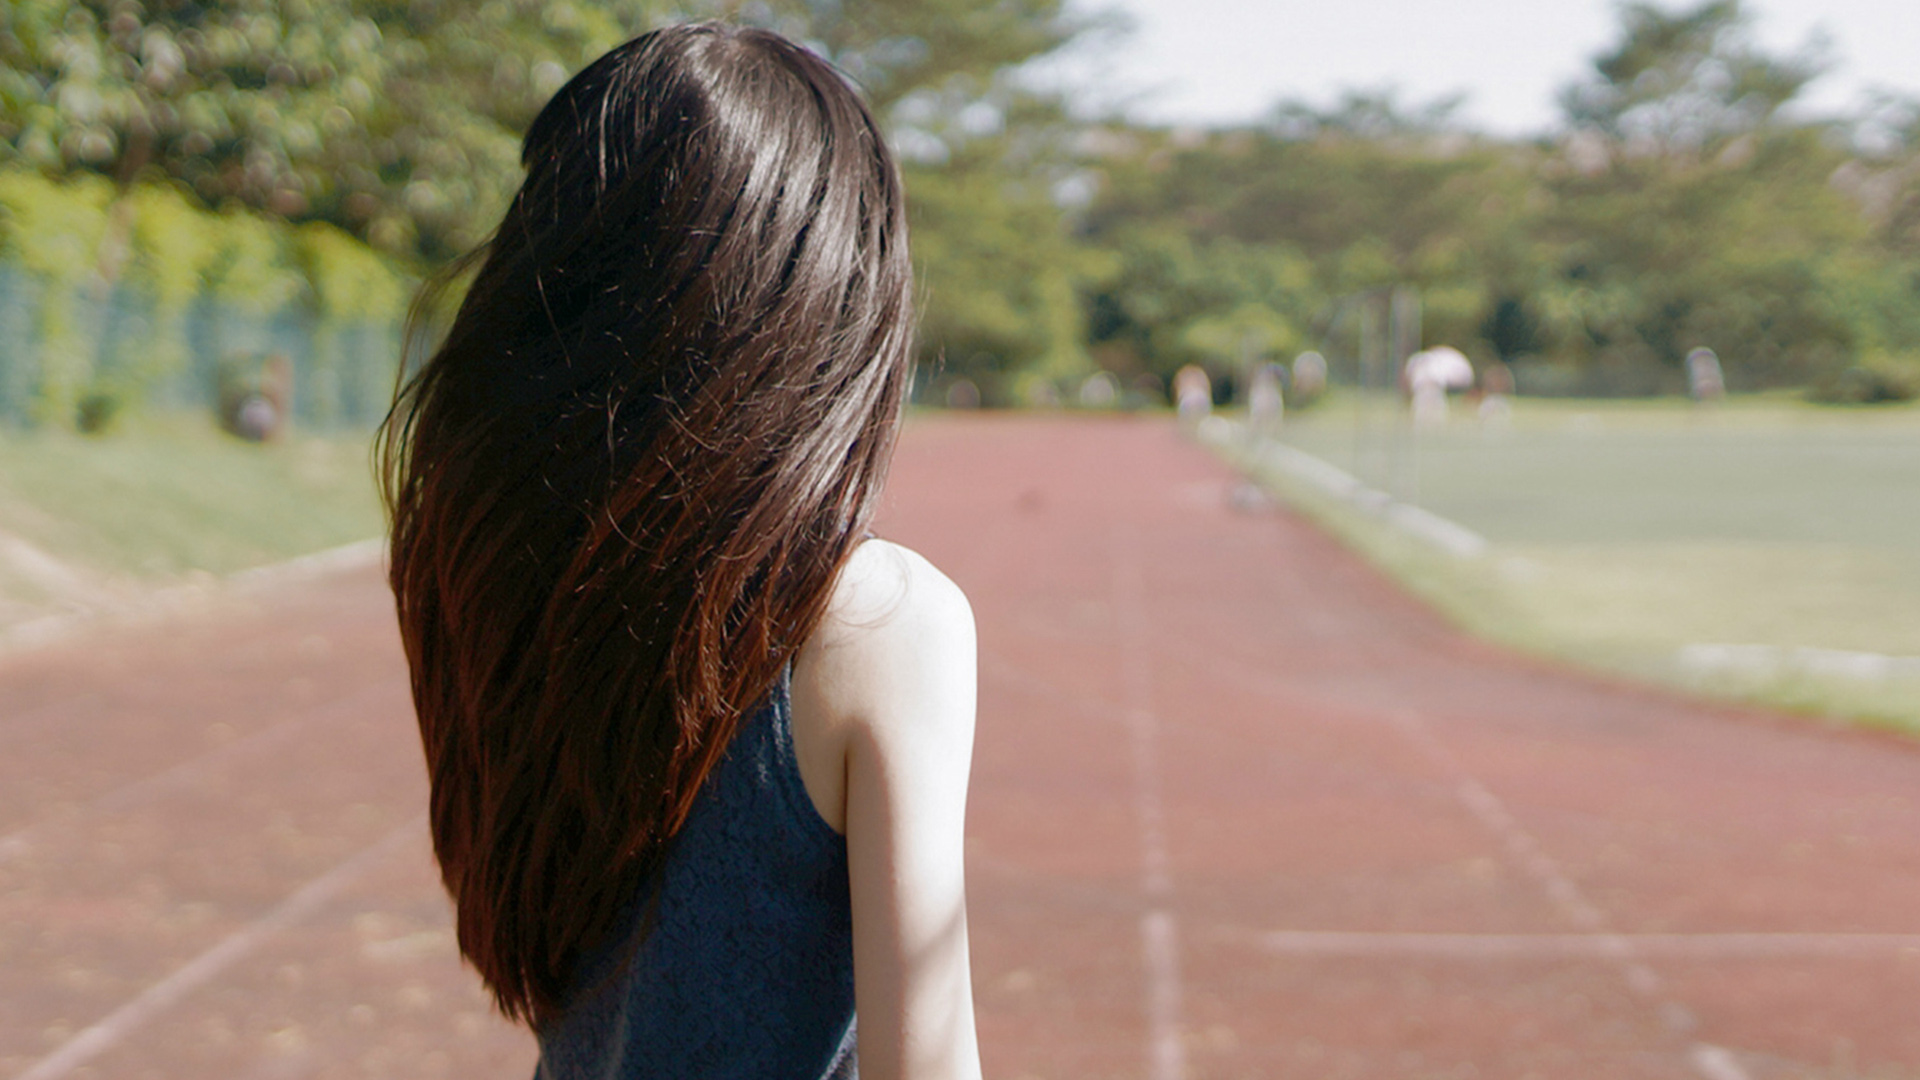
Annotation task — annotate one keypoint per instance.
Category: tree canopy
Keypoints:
(1682, 204)
(1684, 201)
(399, 120)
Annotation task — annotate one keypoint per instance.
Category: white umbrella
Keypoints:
(1442, 365)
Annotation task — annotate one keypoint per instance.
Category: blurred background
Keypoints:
(1595, 325)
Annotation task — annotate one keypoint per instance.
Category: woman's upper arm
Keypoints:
(897, 664)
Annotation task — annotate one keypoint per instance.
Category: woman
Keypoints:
(698, 753)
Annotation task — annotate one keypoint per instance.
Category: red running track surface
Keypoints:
(1241, 809)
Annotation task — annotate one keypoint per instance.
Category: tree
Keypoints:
(1687, 209)
(397, 121)
(1376, 115)
(895, 48)
(984, 160)
(990, 183)
(1741, 252)
(1286, 221)
(1688, 80)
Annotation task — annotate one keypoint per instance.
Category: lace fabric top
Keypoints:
(744, 963)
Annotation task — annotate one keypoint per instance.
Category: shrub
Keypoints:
(1877, 379)
(98, 411)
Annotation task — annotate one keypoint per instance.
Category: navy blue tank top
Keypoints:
(737, 962)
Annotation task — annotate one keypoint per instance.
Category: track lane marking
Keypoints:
(1712, 1062)
(1159, 931)
(107, 1032)
(1595, 941)
(1701, 946)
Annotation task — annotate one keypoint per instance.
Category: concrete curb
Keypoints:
(1424, 525)
(1701, 660)
(1770, 661)
(357, 555)
(174, 600)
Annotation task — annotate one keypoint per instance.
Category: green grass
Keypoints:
(1623, 531)
(164, 497)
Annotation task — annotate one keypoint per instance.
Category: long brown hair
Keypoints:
(623, 484)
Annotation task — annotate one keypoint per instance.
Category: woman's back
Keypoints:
(739, 960)
(749, 969)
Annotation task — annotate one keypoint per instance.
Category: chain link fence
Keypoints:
(58, 349)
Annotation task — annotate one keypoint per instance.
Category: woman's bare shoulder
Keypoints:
(890, 668)
(890, 597)
(895, 628)
(883, 721)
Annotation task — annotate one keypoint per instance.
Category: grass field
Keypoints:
(1623, 533)
(168, 497)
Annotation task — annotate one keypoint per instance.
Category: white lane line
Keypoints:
(1712, 1062)
(156, 999)
(1159, 932)
(189, 772)
(1707, 1059)
(1705, 946)
(1716, 1062)
(1161, 946)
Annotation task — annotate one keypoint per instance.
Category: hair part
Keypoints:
(622, 486)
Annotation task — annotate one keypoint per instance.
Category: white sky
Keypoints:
(1225, 61)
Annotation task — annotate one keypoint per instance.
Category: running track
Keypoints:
(1241, 809)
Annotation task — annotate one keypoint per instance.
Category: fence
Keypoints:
(56, 348)
(1367, 342)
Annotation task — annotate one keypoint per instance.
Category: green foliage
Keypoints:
(1233, 245)
(1218, 302)
(896, 49)
(1251, 330)
(400, 123)
(53, 230)
(78, 240)
(1689, 79)
(1368, 115)
(998, 277)
(394, 121)
(1680, 208)
(1878, 379)
(253, 268)
(346, 278)
(99, 411)
(1000, 273)
(1654, 256)
(55, 233)
(173, 248)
